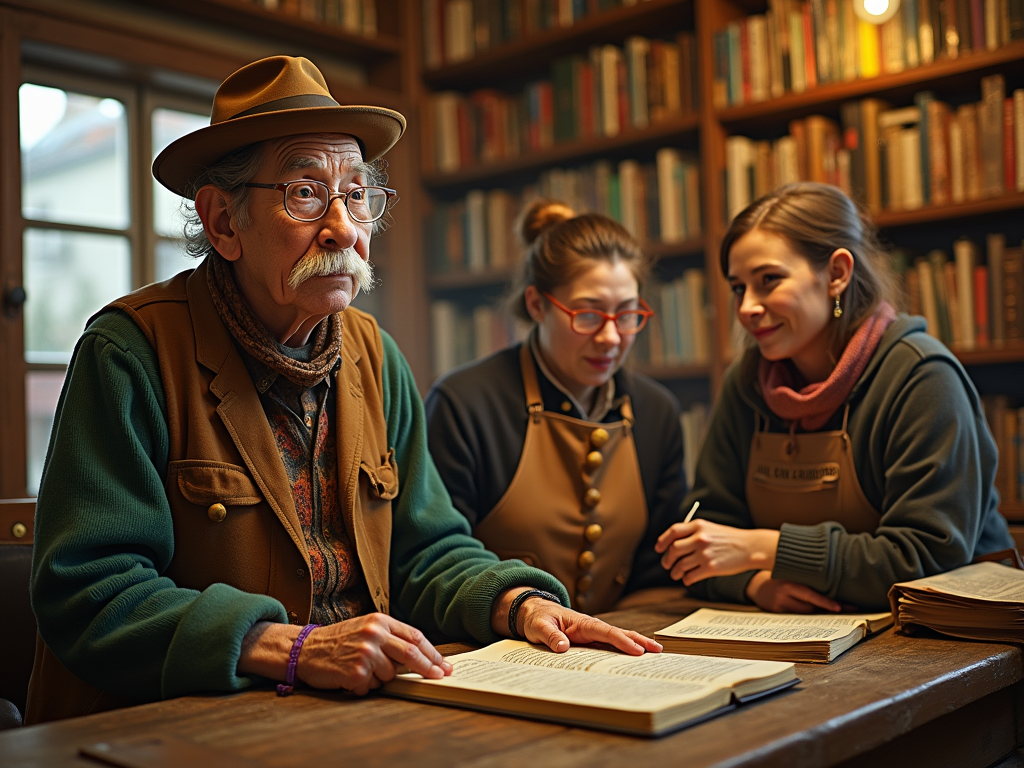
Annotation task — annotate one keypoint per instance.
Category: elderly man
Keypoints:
(238, 453)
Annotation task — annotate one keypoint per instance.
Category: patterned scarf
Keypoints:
(814, 404)
(248, 331)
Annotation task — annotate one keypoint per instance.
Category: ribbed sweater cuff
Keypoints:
(803, 555)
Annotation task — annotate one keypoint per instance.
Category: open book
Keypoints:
(646, 695)
(777, 636)
(983, 601)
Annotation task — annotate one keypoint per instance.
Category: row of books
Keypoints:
(796, 45)
(608, 91)
(969, 302)
(1006, 420)
(694, 421)
(356, 16)
(927, 153)
(678, 334)
(461, 335)
(656, 202)
(456, 30)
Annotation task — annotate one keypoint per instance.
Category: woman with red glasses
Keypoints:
(554, 453)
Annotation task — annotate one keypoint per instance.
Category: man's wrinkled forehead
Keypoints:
(327, 151)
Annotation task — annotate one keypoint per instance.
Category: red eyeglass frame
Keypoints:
(645, 312)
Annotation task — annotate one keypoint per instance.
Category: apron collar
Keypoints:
(604, 398)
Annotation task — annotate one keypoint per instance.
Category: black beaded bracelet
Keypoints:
(517, 602)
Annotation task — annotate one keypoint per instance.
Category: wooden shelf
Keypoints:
(455, 281)
(525, 168)
(533, 53)
(1006, 202)
(247, 16)
(1009, 352)
(674, 372)
(1013, 512)
(829, 97)
(659, 250)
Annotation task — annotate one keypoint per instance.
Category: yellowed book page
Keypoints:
(713, 624)
(984, 581)
(632, 683)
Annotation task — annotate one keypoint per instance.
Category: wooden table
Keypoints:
(891, 700)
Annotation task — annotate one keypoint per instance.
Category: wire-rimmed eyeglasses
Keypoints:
(590, 321)
(308, 200)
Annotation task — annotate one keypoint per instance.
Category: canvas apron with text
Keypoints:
(576, 506)
(806, 479)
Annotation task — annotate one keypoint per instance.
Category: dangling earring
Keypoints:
(837, 312)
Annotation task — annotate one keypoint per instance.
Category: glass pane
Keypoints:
(74, 157)
(68, 277)
(42, 390)
(168, 125)
(172, 259)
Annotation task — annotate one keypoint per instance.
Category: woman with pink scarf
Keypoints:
(848, 449)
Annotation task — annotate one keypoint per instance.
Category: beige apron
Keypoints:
(576, 506)
(806, 479)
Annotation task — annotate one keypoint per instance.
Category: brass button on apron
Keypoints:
(580, 600)
(593, 532)
(592, 497)
(585, 582)
(594, 460)
(18, 530)
(566, 406)
(217, 512)
(586, 560)
(599, 437)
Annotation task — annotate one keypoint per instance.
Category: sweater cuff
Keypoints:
(204, 653)
(803, 555)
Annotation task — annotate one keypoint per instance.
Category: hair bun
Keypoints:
(539, 216)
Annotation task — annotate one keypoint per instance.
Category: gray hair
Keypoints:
(231, 173)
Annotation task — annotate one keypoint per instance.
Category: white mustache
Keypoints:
(327, 263)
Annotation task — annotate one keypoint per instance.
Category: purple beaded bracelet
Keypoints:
(285, 688)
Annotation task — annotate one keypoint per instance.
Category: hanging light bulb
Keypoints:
(876, 11)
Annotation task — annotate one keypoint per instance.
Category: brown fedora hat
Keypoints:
(270, 98)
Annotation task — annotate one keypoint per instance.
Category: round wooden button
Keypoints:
(586, 560)
(593, 532)
(217, 512)
(580, 601)
(592, 497)
(594, 460)
(583, 583)
(599, 437)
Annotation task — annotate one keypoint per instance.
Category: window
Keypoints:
(95, 223)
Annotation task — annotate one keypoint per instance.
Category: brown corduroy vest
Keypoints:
(233, 514)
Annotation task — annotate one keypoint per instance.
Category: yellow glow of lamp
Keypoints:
(875, 11)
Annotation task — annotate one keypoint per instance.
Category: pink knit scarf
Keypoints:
(814, 404)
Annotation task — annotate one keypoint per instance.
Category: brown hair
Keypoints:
(559, 246)
(816, 219)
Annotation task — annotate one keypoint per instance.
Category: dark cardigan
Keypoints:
(476, 422)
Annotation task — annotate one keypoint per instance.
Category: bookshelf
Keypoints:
(705, 132)
(301, 25)
(526, 59)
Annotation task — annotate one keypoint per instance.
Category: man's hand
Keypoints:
(357, 655)
(700, 549)
(551, 624)
(786, 596)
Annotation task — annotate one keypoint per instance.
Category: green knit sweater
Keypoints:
(104, 536)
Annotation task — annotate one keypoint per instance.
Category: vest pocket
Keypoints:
(384, 478)
(214, 482)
